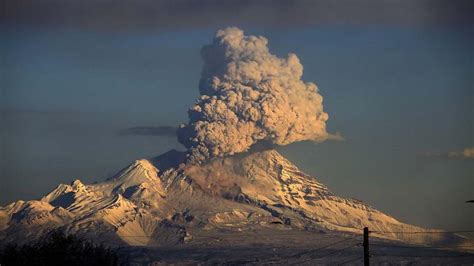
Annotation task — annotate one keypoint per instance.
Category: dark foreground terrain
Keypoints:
(288, 247)
(237, 247)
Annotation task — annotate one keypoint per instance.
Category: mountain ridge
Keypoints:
(165, 201)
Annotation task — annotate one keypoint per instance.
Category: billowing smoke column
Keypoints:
(249, 95)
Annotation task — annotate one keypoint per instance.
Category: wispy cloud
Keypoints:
(336, 137)
(165, 131)
(466, 154)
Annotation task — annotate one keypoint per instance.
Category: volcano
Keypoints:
(165, 201)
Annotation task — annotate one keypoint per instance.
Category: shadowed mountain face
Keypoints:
(165, 202)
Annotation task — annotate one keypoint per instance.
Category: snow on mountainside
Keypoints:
(163, 201)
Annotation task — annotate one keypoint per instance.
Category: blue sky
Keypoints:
(395, 92)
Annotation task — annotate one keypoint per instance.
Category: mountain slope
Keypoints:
(164, 201)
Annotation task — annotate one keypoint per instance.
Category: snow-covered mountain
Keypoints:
(163, 201)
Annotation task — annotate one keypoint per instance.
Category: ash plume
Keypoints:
(249, 95)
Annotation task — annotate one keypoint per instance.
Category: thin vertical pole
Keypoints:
(366, 246)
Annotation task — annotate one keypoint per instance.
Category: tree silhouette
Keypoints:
(59, 249)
